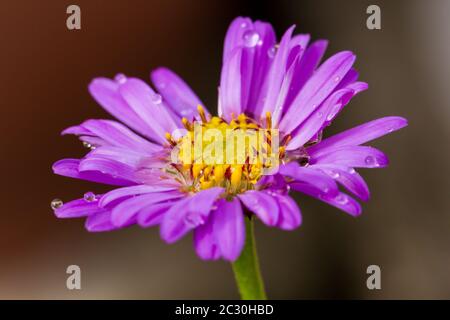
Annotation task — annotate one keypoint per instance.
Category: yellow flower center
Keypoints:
(215, 153)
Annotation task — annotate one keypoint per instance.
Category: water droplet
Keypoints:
(185, 112)
(351, 171)
(390, 130)
(156, 98)
(251, 38)
(341, 199)
(120, 78)
(89, 197)
(193, 219)
(260, 42)
(56, 203)
(87, 145)
(336, 79)
(370, 160)
(334, 174)
(314, 106)
(333, 112)
(243, 25)
(162, 85)
(271, 52)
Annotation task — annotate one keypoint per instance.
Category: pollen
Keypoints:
(216, 153)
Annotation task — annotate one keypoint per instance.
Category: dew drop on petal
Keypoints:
(89, 197)
(56, 203)
(193, 220)
(341, 199)
(156, 98)
(243, 25)
(333, 112)
(260, 42)
(87, 145)
(390, 130)
(334, 174)
(351, 171)
(370, 160)
(251, 38)
(337, 78)
(271, 52)
(120, 78)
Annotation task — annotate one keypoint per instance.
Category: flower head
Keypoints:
(277, 94)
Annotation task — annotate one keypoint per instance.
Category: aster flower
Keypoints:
(264, 85)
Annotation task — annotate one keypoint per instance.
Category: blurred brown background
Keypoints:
(45, 71)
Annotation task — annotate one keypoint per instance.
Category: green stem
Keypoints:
(246, 268)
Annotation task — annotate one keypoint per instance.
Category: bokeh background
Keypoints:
(45, 70)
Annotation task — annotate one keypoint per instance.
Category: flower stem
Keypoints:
(246, 268)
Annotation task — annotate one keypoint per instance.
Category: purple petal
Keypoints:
(353, 156)
(318, 87)
(358, 86)
(359, 135)
(154, 214)
(127, 211)
(304, 174)
(108, 167)
(346, 176)
(105, 92)
(100, 222)
(262, 204)
(187, 214)
(276, 74)
(235, 36)
(173, 225)
(303, 71)
(205, 243)
(284, 91)
(319, 117)
(297, 47)
(118, 135)
(230, 86)
(261, 65)
(290, 216)
(351, 76)
(341, 200)
(133, 191)
(125, 156)
(148, 105)
(77, 130)
(69, 168)
(78, 208)
(229, 228)
(177, 93)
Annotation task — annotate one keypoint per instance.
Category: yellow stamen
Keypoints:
(186, 123)
(236, 175)
(169, 139)
(282, 151)
(268, 120)
(206, 185)
(202, 114)
(286, 140)
(196, 175)
(196, 170)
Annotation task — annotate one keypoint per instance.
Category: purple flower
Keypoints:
(263, 84)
